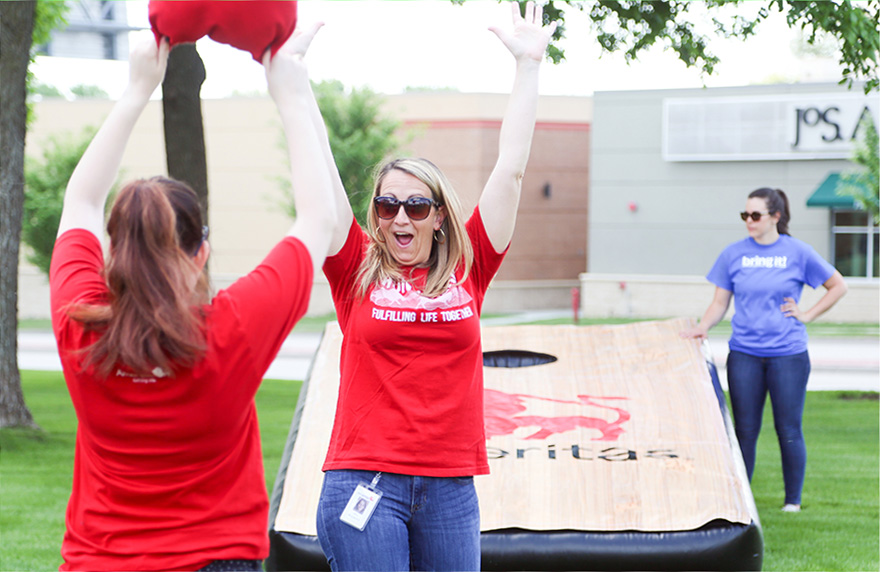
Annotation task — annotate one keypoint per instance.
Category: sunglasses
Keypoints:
(416, 208)
(205, 232)
(756, 216)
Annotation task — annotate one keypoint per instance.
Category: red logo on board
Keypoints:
(504, 414)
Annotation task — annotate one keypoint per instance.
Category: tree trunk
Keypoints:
(16, 31)
(184, 133)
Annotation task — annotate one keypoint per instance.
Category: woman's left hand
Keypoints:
(147, 63)
(529, 38)
(286, 67)
(790, 308)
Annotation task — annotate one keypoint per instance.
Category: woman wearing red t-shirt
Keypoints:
(168, 469)
(408, 434)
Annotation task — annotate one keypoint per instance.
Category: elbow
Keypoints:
(840, 285)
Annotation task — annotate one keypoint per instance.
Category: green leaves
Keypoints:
(863, 185)
(632, 26)
(360, 138)
(45, 183)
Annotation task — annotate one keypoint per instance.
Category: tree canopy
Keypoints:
(631, 26)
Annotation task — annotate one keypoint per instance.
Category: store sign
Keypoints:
(766, 128)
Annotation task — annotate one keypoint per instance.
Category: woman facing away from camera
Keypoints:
(168, 470)
(765, 275)
(408, 433)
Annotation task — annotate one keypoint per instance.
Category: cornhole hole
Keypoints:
(609, 449)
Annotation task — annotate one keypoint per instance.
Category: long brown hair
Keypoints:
(447, 254)
(152, 318)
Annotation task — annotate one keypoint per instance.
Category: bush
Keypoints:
(45, 181)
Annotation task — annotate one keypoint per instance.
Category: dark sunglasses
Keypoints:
(416, 208)
(756, 216)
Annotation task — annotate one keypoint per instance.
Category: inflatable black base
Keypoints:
(718, 545)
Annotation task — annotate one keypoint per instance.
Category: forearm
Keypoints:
(310, 177)
(501, 195)
(518, 124)
(835, 291)
(344, 214)
(713, 314)
(94, 175)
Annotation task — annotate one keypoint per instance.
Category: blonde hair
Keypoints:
(447, 254)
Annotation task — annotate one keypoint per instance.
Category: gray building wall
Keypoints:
(656, 226)
(94, 30)
(686, 212)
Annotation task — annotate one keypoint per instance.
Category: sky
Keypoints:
(389, 46)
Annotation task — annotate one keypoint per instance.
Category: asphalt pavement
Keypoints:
(838, 363)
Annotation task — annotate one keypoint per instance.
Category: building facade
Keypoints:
(96, 29)
(671, 170)
(459, 132)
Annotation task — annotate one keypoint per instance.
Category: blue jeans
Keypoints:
(420, 523)
(750, 379)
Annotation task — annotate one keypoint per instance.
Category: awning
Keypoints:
(826, 195)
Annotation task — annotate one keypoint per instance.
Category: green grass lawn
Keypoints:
(837, 530)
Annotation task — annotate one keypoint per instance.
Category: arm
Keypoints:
(500, 198)
(835, 288)
(713, 314)
(96, 171)
(288, 82)
(344, 214)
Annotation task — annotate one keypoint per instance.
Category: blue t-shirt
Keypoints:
(761, 276)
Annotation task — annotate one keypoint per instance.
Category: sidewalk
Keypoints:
(837, 363)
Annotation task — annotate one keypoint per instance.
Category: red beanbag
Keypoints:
(250, 25)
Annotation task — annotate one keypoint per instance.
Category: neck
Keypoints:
(768, 238)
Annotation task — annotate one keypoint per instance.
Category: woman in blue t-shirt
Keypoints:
(765, 274)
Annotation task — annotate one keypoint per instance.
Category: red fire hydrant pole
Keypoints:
(575, 303)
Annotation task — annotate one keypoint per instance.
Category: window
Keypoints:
(855, 243)
(109, 45)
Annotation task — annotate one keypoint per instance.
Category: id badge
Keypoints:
(361, 505)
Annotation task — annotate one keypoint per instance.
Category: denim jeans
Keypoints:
(750, 379)
(420, 523)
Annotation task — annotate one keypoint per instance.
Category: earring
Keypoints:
(378, 236)
(442, 239)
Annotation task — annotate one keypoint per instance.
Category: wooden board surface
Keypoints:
(621, 432)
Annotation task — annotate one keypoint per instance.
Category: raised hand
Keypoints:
(286, 66)
(529, 37)
(147, 63)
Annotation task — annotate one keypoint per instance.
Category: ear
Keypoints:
(439, 217)
(202, 255)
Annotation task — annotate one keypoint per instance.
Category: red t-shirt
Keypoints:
(168, 472)
(411, 388)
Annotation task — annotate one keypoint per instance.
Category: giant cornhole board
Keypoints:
(609, 450)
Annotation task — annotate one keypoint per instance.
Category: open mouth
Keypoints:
(403, 239)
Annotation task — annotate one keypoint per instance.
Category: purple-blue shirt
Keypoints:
(761, 276)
